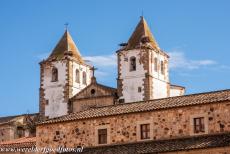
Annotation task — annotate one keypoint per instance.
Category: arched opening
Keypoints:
(77, 75)
(54, 74)
(162, 68)
(93, 91)
(133, 64)
(155, 64)
(84, 77)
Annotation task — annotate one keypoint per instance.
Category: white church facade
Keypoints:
(143, 73)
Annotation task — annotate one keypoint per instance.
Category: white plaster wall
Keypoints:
(176, 92)
(54, 91)
(57, 105)
(158, 74)
(159, 89)
(160, 81)
(132, 80)
(130, 90)
(77, 87)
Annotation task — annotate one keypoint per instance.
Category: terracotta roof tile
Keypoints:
(169, 145)
(25, 142)
(141, 31)
(9, 119)
(151, 105)
(66, 46)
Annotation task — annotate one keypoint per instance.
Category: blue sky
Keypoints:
(195, 34)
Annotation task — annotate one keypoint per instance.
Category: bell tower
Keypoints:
(62, 75)
(142, 67)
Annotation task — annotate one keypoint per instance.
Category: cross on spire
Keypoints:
(93, 69)
(142, 13)
(66, 25)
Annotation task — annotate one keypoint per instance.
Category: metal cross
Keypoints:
(93, 69)
(66, 25)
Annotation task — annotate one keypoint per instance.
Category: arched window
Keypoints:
(84, 78)
(162, 68)
(20, 132)
(155, 64)
(54, 74)
(132, 64)
(77, 75)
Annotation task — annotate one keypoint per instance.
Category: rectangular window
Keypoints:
(102, 136)
(145, 131)
(199, 125)
(139, 89)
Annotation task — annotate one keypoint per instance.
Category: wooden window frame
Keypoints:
(145, 131)
(97, 128)
(199, 126)
(204, 129)
(102, 136)
(139, 129)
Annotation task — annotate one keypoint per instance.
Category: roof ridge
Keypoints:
(18, 115)
(66, 46)
(151, 105)
(142, 33)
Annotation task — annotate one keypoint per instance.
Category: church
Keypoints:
(145, 113)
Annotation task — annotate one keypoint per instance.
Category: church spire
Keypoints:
(66, 46)
(141, 34)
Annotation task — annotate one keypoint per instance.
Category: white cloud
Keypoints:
(104, 60)
(179, 60)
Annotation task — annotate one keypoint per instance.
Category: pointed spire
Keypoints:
(141, 34)
(66, 46)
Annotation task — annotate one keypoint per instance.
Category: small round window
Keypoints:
(93, 91)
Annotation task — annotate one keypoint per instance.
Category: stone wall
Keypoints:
(6, 132)
(165, 124)
(94, 95)
(83, 104)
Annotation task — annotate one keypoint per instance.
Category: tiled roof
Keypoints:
(141, 31)
(25, 142)
(151, 105)
(6, 119)
(176, 86)
(66, 46)
(170, 145)
(9, 119)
